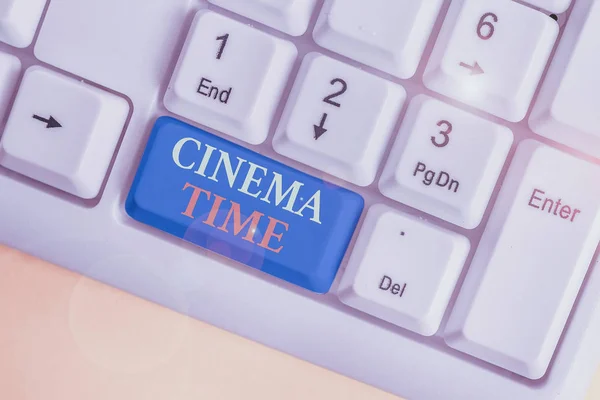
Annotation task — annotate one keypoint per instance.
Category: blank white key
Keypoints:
(491, 55)
(445, 162)
(567, 108)
(19, 20)
(62, 132)
(10, 67)
(555, 6)
(389, 35)
(530, 263)
(230, 77)
(339, 119)
(403, 270)
(127, 46)
(289, 16)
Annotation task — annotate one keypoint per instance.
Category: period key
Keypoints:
(242, 205)
(403, 270)
(531, 262)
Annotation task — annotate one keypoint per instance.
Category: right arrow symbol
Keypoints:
(475, 69)
(50, 122)
(320, 129)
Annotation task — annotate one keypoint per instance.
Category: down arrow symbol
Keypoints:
(320, 129)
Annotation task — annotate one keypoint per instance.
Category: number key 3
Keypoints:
(445, 162)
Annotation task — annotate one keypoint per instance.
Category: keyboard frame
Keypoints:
(98, 239)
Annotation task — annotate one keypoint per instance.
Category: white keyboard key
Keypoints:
(10, 68)
(339, 119)
(567, 108)
(289, 16)
(389, 35)
(125, 45)
(62, 132)
(530, 263)
(403, 270)
(230, 77)
(491, 55)
(555, 6)
(19, 20)
(445, 162)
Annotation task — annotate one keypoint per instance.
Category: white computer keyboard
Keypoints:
(405, 192)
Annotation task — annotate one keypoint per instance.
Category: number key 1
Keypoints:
(230, 77)
(445, 162)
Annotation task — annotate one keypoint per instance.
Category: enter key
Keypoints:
(531, 262)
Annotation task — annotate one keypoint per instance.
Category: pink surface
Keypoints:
(63, 337)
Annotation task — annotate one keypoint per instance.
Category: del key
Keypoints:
(531, 262)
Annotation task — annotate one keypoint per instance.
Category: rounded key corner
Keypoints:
(535, 372)
(345, 291)
(386, 181)
(360, 177)
(81, 189)
(21, 44)
(379, 209)
(205, 11)
(296, 32)
(34, 69)
(453, 337)
(319, 287)
(165, 120)
(289, 46)
(130, 206)
(427, 327)
(311, 56)
(319, 31)
(555, 25)
(124, 103)
(280, 139)
(507, 134)
(354, 201)
(420, 99)
(531, 144)
(132, 209)
(470, 223)
(514, 113)
(11, 59)
(466, 241)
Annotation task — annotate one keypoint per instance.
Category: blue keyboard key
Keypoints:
(245, 206)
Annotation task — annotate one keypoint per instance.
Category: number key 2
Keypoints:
(339, 119)
(445, 162)
(491, 55)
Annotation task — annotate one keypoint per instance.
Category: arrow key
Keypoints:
(491, 55)
(339, 119)
(62, 132)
